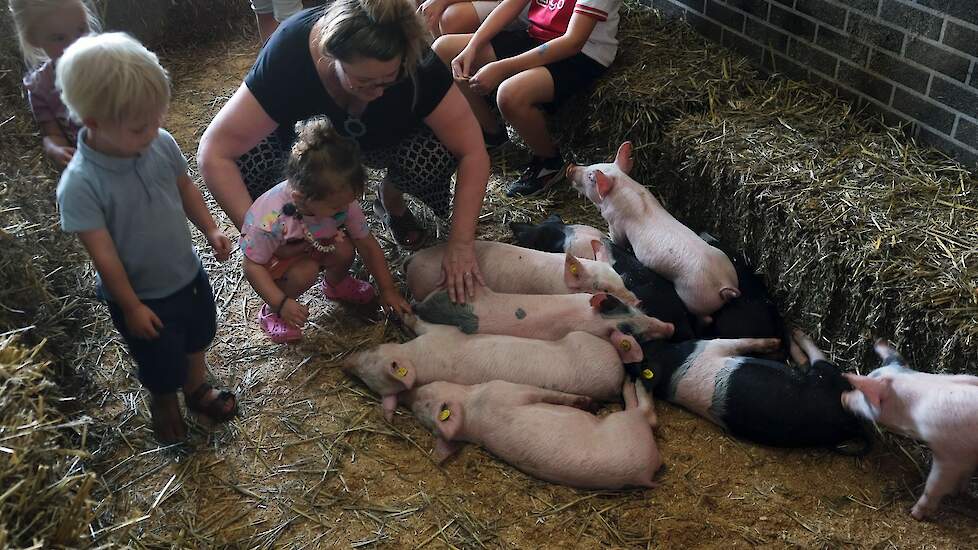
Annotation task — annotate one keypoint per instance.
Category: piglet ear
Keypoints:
(600, 251)
(628, 348)
(448, 420)
(875, 389)
(602, 183)
(889, 354)
(624, 157)
(573, 271)
(402, 373)
(607, 304)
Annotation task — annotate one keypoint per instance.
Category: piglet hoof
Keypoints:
(920, 512)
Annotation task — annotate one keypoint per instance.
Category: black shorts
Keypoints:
(189, 324)
(570, 75)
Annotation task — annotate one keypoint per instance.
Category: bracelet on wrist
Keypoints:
(281, 304)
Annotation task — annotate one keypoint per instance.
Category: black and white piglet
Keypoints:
(760, 400)
(657, 294)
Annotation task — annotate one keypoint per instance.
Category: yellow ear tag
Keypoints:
(573, 269)
(444, 414)
(648, 374)
(625, 345)
(401, 372)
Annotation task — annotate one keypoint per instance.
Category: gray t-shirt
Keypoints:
(137, 200)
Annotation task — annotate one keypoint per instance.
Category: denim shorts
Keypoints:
(189, 319)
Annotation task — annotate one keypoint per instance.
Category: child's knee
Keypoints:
(302, 273)
(458, 19)
(512, 98)
(448, 46)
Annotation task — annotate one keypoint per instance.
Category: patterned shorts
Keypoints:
(419, 165)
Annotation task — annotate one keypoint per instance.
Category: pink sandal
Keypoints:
(276, 328)
(349, 290)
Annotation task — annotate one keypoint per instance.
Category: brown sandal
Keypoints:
(213, 409)
(405, 228)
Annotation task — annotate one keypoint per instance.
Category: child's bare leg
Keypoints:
(392, 198)
(167, 420)
(336, 265)
(266, 26)
(459, 18)
(518, 99)
(448, 47)
(299, 278)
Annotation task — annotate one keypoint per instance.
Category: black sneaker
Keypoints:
(538, 176)
(496, 140)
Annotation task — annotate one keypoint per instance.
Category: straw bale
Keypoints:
(861, 232)
(44, 488)
(664, 69)
(41, 268)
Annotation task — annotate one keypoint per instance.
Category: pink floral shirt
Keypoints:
(272, 222)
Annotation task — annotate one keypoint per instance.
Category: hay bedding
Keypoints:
(853, 222)
(311, 463)
(662, 71)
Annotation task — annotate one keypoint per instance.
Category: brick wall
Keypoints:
(914, 60)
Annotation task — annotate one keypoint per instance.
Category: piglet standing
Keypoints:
(539, 316)
(517, 270)
(768, 402)
(753, 314)
(940, 410)
(704, 277)
(544, 433)
(579, 362)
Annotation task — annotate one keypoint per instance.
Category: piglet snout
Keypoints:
(661, 330)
